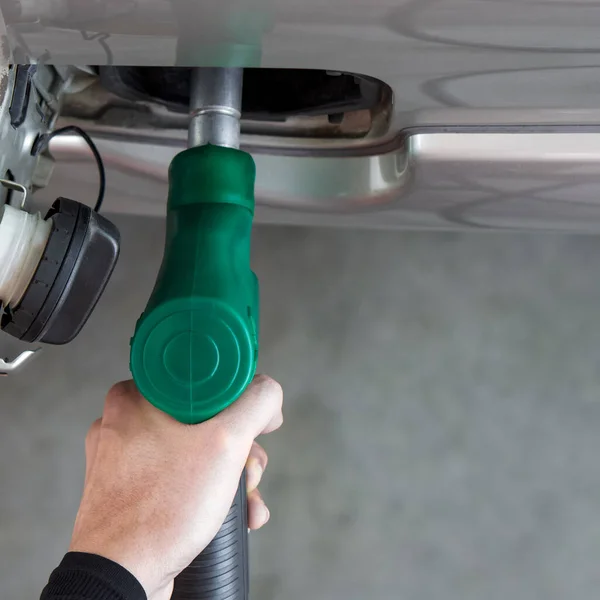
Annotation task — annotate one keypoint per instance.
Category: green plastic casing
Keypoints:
(195, 347)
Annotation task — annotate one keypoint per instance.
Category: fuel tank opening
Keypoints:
(307, 103)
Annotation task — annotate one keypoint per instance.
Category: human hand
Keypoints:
(157, 491)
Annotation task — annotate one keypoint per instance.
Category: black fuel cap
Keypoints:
(77, 263)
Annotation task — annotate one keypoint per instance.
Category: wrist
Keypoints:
(121, 557)
(89, 575)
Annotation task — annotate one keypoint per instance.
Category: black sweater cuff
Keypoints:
(82, 576)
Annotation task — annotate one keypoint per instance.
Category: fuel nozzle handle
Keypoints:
(195, 347)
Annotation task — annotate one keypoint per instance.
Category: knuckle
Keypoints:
(121, 390)
(225, 439)
(269, 388)
(119, 396)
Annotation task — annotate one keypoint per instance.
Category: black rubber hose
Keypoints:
(221, 571)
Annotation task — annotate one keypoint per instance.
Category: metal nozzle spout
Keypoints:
(215, 106)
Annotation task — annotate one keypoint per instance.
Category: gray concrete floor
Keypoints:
(443, 417)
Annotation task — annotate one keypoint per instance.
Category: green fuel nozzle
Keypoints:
(195, 347)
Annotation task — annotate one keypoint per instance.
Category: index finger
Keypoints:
(257, 411)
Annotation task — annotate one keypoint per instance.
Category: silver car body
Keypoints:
(494, 124)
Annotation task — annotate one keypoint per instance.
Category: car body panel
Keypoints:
(495, 122)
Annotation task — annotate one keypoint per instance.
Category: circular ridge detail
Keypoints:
(192, 357)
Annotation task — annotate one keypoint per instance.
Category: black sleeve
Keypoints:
(83, 576)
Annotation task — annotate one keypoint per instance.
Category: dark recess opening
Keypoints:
(269, 94)
(8, 193)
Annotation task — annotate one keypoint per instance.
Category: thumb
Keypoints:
(257, 411)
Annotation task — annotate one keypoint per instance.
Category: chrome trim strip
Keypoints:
(448, 180)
